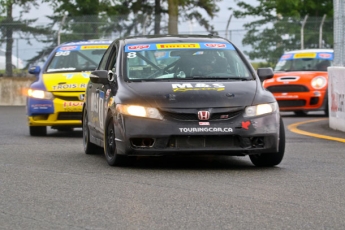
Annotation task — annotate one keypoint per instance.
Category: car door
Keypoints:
(102, 92)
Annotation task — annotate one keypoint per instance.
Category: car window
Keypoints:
(311, 61)
(76, 58)
(104, 61)
(180, 60)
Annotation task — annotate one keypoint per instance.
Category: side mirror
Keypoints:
(265, 73)
(99, 77)
(34, 70)
(112, 76)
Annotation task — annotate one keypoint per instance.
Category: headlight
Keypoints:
(40, 94)
(139, 111)
(318, 82)
(261, 109)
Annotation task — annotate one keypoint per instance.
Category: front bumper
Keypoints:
(55, 112)
(238, 136)
(307, 101)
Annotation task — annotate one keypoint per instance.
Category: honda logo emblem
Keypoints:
(81, 97)
(204, 115)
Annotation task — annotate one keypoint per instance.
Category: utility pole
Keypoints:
(302, 31)
(320, 35)
(61, 25)
(227, 27)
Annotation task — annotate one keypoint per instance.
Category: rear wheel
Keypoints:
(110, 150)
(89, 148)
(38, 130)
(271, 159)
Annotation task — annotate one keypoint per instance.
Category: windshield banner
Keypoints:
(174, 46)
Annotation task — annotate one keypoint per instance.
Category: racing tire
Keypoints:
(300, 113)
(38, 130)
(65, 129)
(89, 148)
(110, 149)
(271, 159)
(326, 111)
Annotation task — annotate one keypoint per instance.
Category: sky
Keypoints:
(25, 51)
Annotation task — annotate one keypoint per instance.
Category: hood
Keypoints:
(66, 81)
(190, 94)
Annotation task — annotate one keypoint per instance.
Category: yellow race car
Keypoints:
(56, 98)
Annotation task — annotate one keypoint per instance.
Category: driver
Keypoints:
(210, 62)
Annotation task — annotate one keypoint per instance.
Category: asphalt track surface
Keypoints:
(49, 183)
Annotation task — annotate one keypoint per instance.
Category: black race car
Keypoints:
(183, 94)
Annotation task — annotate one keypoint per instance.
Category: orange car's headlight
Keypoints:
(318, 82)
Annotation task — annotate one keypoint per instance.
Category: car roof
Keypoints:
(173, 38)
(309, 50)
(86, 42)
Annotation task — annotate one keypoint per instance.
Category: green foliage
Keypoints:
(279, 23)
(20, 26)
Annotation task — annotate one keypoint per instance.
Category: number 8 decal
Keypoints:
(131, 55)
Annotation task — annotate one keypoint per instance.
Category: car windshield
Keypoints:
(184, 61)
(316, 61)
(76, 58)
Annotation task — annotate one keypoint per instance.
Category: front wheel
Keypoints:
(271, 159)
(110, 150)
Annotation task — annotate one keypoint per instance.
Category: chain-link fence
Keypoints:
(339, 32)
(261, 42)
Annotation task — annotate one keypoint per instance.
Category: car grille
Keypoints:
(291, 103)
(287, 88)
(194, 117)
(67, 98)
(70, 116)
(216, 141)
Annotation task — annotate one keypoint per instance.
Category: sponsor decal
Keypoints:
(206, 130)
(138, 47)
(204, 123)
(67, 104)
(286, 56)
(178, 46)
(198, 86)
(68, 48)
(69, 75)
(72, 106)
(325, 55)
(107, 93)
(286, 95)
(85, 75)
(91, 47)
(97, 106)
(215, 45)
(203, 115)
(245, 125)
(305, 55)
(41, 106)
(69, 86)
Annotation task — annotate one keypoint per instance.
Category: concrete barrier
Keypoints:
(336, 95)
(12, 90)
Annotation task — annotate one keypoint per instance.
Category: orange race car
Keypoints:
(300, 81)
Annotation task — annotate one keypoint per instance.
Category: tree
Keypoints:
(279, 26)
(10, 25)
(189, 10)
